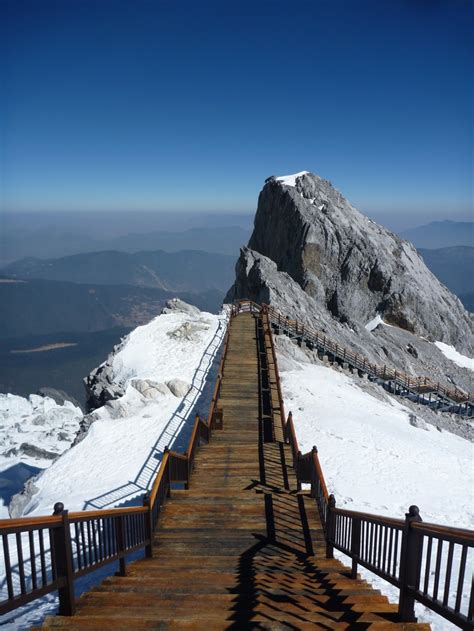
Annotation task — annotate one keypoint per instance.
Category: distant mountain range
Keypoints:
(189, 270)
(48, 243)
(453, 266)
(441, 234)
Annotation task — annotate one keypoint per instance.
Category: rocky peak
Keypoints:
(349, 266)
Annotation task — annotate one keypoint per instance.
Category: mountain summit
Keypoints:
(313, 255)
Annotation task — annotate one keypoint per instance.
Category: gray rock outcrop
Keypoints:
(178, 387)
(315, 257)
(150, 389)
(20, 500)
(177, 305)
(100, 383)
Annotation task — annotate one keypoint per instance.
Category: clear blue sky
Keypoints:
(113, 104)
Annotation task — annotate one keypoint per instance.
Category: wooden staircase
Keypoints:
(242, 548)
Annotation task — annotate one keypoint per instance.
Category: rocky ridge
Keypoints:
(316, 258)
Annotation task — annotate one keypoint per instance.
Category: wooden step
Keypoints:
(232, 551)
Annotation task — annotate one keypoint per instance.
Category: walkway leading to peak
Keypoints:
(243, 547)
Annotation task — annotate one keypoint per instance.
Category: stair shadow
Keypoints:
(266, 589)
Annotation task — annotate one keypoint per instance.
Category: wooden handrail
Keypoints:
(275, 364)
(391, 548)
(456, 395)
(177, 455)
(379, 519)
(194, 434)
(159, 478)
(26, 522)
(319, 473)
(106, 512)
(447, 531)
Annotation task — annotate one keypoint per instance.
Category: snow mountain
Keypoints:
(314, 257)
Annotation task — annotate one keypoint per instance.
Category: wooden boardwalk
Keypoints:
(242, 548)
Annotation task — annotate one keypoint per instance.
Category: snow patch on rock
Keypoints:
(451, 353)
(290, 180)
(374, 323)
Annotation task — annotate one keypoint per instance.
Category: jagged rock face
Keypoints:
(258, 279)
(100, 385)
(349, 266)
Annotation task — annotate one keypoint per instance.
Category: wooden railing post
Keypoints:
(355, 545)
(120, 535)
(168, 471)
(61, 550)
(148, 526)
(287, 425)
(330, 527)
(314, 452)
(410, 564)
(297, 466)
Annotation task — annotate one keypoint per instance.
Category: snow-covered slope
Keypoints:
(33, 432)
(377, 457)
(166, 371)
(162, 368)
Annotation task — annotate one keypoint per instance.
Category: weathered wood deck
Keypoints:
(242, 548)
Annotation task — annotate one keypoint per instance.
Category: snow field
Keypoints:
(374, 460)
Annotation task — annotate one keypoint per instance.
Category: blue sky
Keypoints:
(139, 104)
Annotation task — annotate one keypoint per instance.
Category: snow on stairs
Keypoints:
(242, 548)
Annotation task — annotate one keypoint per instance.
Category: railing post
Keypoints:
(410, 564)
(61, 550)
(120, 534)
(330, 527)
(355, 545)
(168, 471)
(297, 467)
(288, 421)
(314, 451)
(148, 526)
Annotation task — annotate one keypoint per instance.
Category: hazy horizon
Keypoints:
(142, 221)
